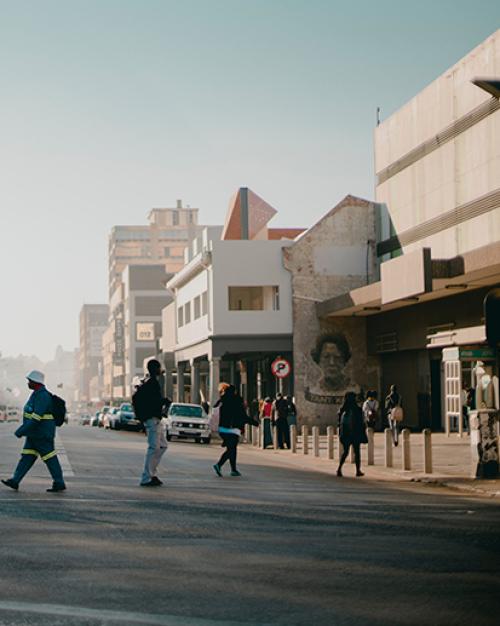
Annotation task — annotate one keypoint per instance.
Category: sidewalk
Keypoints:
(451, 463)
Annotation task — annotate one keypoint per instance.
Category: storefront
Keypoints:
(463, 362)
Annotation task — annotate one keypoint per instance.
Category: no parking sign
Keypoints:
(281, 368)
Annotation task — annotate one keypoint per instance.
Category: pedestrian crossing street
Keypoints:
(11, 447)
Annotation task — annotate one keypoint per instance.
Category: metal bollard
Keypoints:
(427, 451)
(371, 446)
(329, 442)
(255, 435)
(248, 433)
(305, 439)
(315, 436)
(293, 438)
(406, 449)
(388, 447)
(275, 437)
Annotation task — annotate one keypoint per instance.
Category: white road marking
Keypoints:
(117, 616)
(63, 458)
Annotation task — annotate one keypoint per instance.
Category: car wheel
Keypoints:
(206, 440)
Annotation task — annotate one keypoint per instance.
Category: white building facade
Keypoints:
(230, 317)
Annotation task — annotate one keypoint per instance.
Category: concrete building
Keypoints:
(93, 323)
(437, 162)
(231, 312)
(333, 256)
(135, 328)
(160, 242)
(164, 239)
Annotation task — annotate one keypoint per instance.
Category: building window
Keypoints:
(187, 312)
(175, 218)
(197, 307)
(276, 298)
(204, 303)
(166, 252)
(386, 342)
(180, 316)
(254, 298)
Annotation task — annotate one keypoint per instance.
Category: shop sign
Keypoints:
(145, 331)
(477, 353)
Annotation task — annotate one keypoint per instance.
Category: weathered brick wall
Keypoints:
(329, 260)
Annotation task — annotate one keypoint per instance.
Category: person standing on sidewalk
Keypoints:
(394, 412)
(39, 428)
(292, 412)
(352, 431)
(281, 420)
(266, 414)
(149, 403)
(370, 409)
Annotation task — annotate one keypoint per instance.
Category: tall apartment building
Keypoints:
(164, 239)
(93, 323)
(159, 246)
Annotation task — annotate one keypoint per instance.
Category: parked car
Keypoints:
(94, 420)
(102, 415)
(85, 419)
(126, 418)
(13, 414)
(111, 417)
(188, 421)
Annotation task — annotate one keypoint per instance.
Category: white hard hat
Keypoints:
(36, 376)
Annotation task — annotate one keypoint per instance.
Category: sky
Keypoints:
(112, 107)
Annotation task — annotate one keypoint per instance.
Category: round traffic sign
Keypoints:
(281, 368)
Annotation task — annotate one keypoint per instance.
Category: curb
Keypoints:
(373, 473)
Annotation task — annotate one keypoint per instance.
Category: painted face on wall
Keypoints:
(332, 365)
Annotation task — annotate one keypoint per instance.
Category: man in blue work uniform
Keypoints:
(39, 428)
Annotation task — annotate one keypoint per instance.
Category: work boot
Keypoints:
(217, 469)
(156, 481)
(11, 483)
(56, 487)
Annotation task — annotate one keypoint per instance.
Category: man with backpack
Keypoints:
(39, 428)
(149, 404)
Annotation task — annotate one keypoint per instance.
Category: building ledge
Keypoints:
(471, 270)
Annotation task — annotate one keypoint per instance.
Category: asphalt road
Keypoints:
(276, 546)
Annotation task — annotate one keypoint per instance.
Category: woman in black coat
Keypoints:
(232, 420)
(352, 431)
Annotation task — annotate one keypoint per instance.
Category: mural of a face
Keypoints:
(331, 355)
(332, 365)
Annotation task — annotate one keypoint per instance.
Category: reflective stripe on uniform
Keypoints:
(35, 416)
(28, 451)
(48, 456)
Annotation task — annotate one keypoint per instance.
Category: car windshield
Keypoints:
(127, 408)
(187, 411)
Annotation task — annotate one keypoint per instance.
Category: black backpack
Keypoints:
(139, 403)
(58, 409)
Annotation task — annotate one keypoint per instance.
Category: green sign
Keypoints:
(478, 353)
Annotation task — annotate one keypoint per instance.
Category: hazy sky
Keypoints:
(110, 108)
